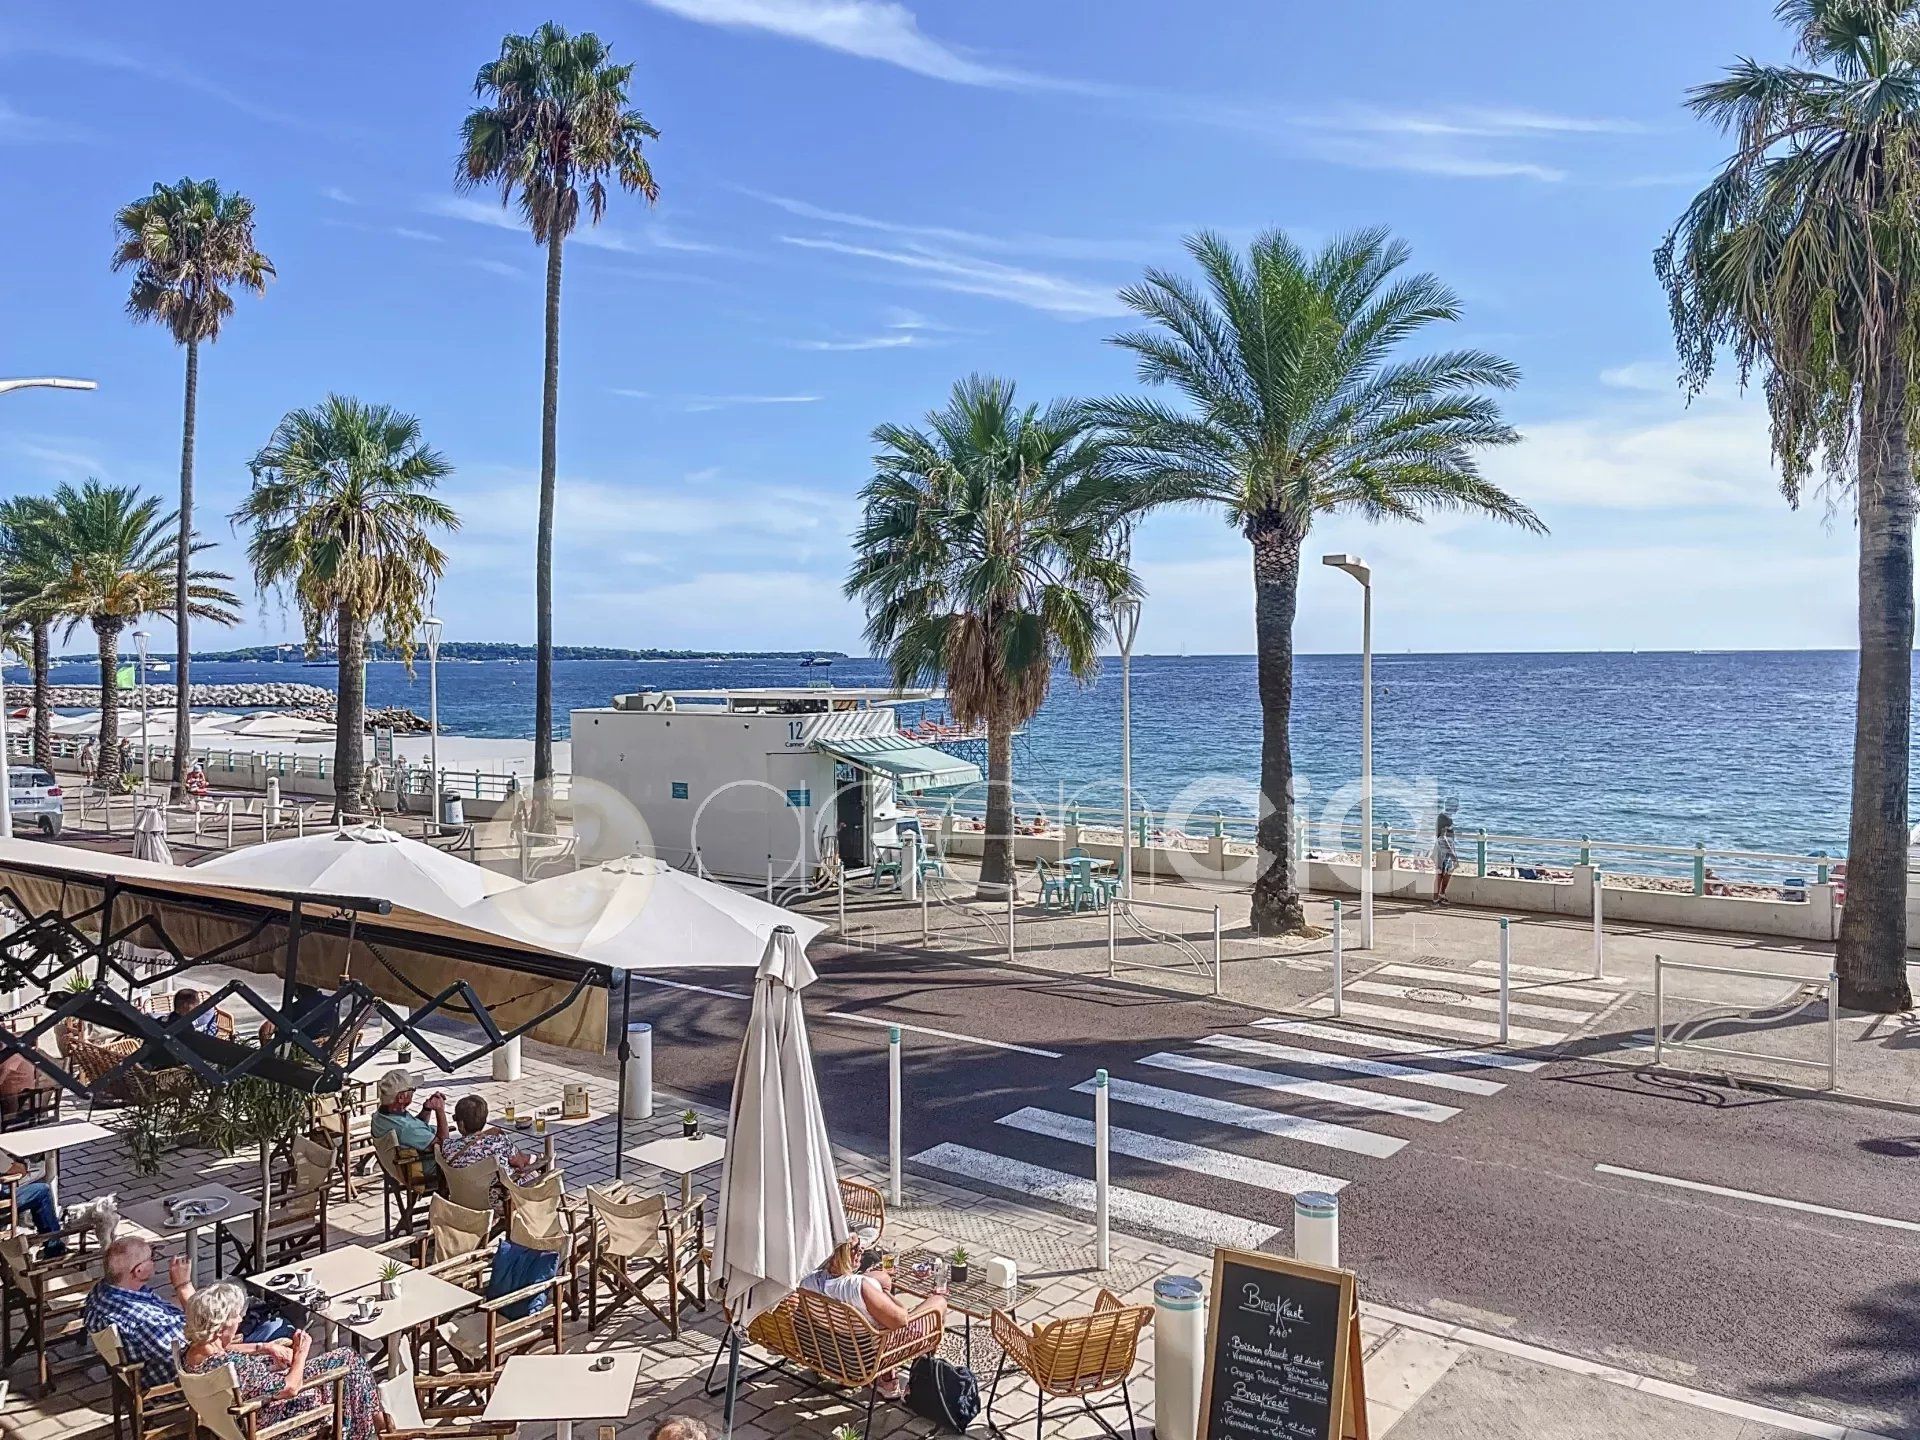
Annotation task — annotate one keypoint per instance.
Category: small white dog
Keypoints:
(102, 1216)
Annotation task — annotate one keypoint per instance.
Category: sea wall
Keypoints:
(227, 697)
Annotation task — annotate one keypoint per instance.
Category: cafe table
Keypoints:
(680, 1156)
(565, 1388)
(156, 1217)
(971, 1299)
(422, 1299)
(338, 1271)
(49, 1141)
(551, 1114)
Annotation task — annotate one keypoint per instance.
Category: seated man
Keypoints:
(480, 1143)
(151, 1329)
(18, 1077)
(416, 1132)
(183, 1003)
(35, 1199)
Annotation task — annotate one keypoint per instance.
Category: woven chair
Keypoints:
(141, 1411)
(839, 1344)
(216, 1402)
(42, 1298)
(441, 1407)
(406, 1183)
(481, 1337)
(864, 1205)
(1080, 1356)
(637, 1244)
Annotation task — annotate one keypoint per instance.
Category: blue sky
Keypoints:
(862, 201)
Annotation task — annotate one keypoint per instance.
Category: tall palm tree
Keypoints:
(341, 514)
(1803, 256)
(118, 550)
(1297, 408)
(190, 245)
(554, 127)
(30, 564)
(991, 549)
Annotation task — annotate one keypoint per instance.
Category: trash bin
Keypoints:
(636, 1091)
(451, 811)
(1179, 1352)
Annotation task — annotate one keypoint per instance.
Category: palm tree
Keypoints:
(1803, 256)
(1296, 408)
(340, 513)
(118, 551)
(29, 565)
(554, 128)
(991, 550)
(190, 245)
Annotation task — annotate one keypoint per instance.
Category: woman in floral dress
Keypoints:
(276, 1372)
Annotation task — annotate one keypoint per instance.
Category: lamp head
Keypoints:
(1352, 564)
(1126, 621)
(140, 638)
(430, 633)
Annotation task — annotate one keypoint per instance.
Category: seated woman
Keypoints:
(195, 780)
(871, 1293)
(479, 1143)
(275, 1372)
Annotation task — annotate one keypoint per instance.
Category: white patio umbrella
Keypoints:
(780, 1208)
(365, 860)
(150, 837)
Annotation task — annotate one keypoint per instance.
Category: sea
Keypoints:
(1742, 750)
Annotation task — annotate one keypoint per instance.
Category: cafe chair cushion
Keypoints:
(515, 1267)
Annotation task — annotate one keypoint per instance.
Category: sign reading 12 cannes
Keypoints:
(1282, 1352)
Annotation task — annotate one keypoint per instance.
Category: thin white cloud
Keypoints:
(899, 341)
(407, 232)
(155, 67)
(1651, 376)
(17, 128)
(495, 267)
(1062, 247)
(337, 195)
(699, 403)
(971, 275)
(599, 237)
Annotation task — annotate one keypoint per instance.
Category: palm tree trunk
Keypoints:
(543, 559)
(42, 697)
(1872, 953)
(182, 717)
(350, 717)
(1276, 584)
(106, 766)
(996, 854)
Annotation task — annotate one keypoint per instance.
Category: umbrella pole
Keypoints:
(733, 1376)
(626, 1050)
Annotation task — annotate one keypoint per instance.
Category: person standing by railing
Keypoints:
(1445, 856)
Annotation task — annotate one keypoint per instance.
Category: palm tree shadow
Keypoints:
(1875, 1364)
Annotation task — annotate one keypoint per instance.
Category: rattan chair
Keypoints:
(216, 1402)
(839, 1344)
(405, 1183)
(864, 1205)
(141, 1411)
(1080, 1356)
(634, 1245)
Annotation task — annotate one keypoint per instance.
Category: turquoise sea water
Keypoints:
(1745, 750)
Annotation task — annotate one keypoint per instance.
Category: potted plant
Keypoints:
(390, 1280)
(689, 1124)
(957, 1271)
(406, 1052)
(846, 1432)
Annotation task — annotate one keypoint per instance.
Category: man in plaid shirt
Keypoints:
(150, 1327)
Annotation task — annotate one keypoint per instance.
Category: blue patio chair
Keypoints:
(1054, 888)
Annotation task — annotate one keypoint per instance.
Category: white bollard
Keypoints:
(1833, 1029)
(1179, 1355)
(271, 812)
(506, 1060)
(1599, 934)
(1316, 1228)
(1506, 963)
(1113, 939)
(923, 915)
(769, 879)
(636, 1100)
(910, 885)
(1100, 1098)
(893, 1115)
(1339, 967)
(840, 884)
(1010, 922)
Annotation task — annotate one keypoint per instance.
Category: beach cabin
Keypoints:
(730, 781)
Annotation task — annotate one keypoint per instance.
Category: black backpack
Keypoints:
(944, 1393)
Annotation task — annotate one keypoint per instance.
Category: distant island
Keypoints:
(496, 650)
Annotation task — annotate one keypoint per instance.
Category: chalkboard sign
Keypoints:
(1282, 1351)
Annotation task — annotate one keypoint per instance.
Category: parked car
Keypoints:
(36, 798)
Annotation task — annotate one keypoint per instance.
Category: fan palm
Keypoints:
(190, 245)
(1297, 408)
(991, 550)
(554, 128)
(341, 516)
(29, 566)
(117, 552)
(1803, 256)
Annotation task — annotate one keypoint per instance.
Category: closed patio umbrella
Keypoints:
(150, 837)
(780, 1210)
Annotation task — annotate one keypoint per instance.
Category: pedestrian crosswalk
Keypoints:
(1545, 1005)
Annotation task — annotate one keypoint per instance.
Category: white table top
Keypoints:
(423, 1297)
(339, 1271)
(153, 1217)
(680, 1156)
(44, 1139)
(565, 1387)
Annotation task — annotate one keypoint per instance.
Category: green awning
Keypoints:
(909, 765)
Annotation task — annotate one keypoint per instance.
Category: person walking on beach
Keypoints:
(1445, 857)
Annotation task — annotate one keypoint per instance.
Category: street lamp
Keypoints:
(430, 633)
(1126, 625)
(48, 382)
(1357, 568)
(140, 638)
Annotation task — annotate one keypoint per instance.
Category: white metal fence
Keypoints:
(1830, 988)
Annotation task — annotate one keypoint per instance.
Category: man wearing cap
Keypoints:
(419, 1132)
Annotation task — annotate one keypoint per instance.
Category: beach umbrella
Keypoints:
(780, 1209)
(150, 837)
(368, 860)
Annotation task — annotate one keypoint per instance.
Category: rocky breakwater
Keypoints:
(223, 697)
(392, 717)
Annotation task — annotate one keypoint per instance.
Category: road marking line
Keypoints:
(944, 1034)
(640, 979)
(1806, 1206)
(1285, 1084)
(1249, 1117)
(1476, 981)
(1378, 1069)
(1243, 1169)
(1168, 1217)
(1399, 1045)
(1489, 1004)
(1432, 1020)
(1547, 972)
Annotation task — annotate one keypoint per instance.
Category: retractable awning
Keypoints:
(909, 765)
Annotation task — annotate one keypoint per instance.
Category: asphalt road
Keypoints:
(1490, 1212)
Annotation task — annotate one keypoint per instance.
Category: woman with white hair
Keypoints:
(214, 1316)
(416, 1132)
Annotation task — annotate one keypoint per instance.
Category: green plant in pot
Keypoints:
(957, 1270)
(390, 1274)
(689, 1124)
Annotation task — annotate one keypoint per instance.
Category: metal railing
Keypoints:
(1193, 959)
(1830, 986)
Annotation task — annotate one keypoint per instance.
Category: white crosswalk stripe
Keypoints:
(1426, 975)
(1251, 1117)
(1243, 1169)
(1420, 994)
(1283, 1083)
(1170, 1217)
(1400, 1045)
(1545, 972)
(1354, 1065)
(1445, 1024)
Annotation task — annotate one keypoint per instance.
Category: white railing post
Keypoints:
(1339, 968)
(1216, 950)
(1659, 1011)
(1100, 1097)
(1833, 1029)
(229, 824)
(841, 886)
(1599, 933)
(893, 1115)
(1112, 938)
(1010, 899)
(1506, 986)
(924, 941)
